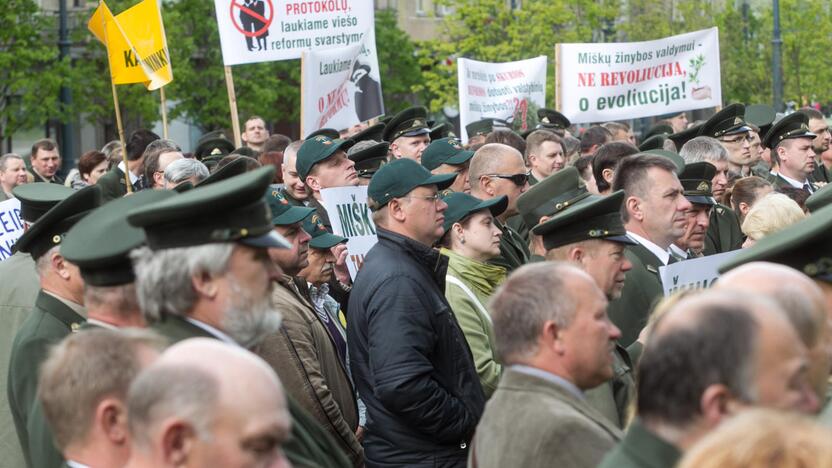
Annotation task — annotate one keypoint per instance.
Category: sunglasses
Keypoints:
(518, 179)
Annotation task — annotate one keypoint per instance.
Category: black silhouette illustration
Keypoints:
(368, 102)
(253, 24)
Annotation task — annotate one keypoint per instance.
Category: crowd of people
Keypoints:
(166, 309)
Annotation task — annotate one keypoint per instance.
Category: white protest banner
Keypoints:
(628, 80)
(499, 90)
(351, 218)
(696, 273)
(267, 30)
(11, 227)
(340, 87)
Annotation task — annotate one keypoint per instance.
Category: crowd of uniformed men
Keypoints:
(510, 315)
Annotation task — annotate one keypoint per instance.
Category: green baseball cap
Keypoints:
(445, 151)
(805, 246)
(50, 229)
(283, 212)
(317, 149)
(400, 177)
(728, 121)
(675, 158)
(794, 125)
(232, 210)
(100, 244)
(321, 237)
(696, 181)
(599, 218)
(461, 204)
(39, 197)
(550, 196)
(822, 197)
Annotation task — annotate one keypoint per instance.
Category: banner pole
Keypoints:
(232, 104)
(121, 138)
(164, 105)
(302, 80)
(557, 78)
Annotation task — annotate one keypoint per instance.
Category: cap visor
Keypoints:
(270, 239)
(442, 181)
(741, 129)
(625, 239)
(496, 205)
(293, 215)
(417, 132)
(459, 158)
(327, 241)
(701, 199)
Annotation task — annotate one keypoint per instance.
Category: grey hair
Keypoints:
(121, 299)
(111, 147)
(703, 148)
(531, 296)
(4, 160)
(184, 392)
(183, 169)
(163, 277)
(44, 262)
(161, 144)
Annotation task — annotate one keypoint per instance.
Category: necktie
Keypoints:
(807, 187)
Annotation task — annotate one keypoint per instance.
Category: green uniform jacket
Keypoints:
(641, 449)
(513, 252)
(530, 422)
(292, 200)
(18, 291)
(779, 182)
(820, 174)
(49, 322)
(112, 184)
(472, 314)
(309, 445)
(724, 234)
(642, 288)
(612, 398)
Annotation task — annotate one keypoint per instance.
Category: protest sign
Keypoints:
(618, 81)
(340, 87)
(500, 90)
(696, 273)
(351, 218)
(11, 227)
(136, 44)
(254, 31)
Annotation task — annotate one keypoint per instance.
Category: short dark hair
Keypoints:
(795, 193)
(137, 143)
(275, 158)
(677, 366)
(276, 142)
(507, 137)
(595, 135)
(45, 144)
(607, 157)
(631, 174)
(812, 113)
(89, 160)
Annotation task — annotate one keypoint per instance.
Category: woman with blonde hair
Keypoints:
(760, 438)
(770, 214)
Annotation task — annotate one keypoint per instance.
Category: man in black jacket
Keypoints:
(408, 356)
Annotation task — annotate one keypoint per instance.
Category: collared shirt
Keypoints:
(550, 377)
(676, 251)
(133, 177)
(213, 331)
(660, 253)
(99, 323)
(77, 308)
(797, 184)
(75, 464)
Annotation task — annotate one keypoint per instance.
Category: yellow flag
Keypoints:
(136, 44)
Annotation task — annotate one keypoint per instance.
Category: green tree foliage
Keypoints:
(30, 70)
(398, 63)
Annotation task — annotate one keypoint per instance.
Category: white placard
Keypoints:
(628, 80)
(351, 218)
(11, 226)
(341, 87)
(498, 90)
(696, 273)
(267, 30)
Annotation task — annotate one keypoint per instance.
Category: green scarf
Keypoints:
(482, 278)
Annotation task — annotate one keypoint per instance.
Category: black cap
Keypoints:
(373, 132)
(560, 191)
(233, 168)
(552, 119)
(368, 157)
(213, 144)
(728, 121)
(480, 127)
(655, 142)
(599, 218)
(442, 130)
(696, 181)
(761, 115)
(684, 136)
(794, 125)
(410, 122)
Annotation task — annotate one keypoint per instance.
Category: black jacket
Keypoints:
(409, 359)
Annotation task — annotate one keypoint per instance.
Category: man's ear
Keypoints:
(634, 208)
(395, 208)
(313, 183)
(178, 439)
(59, 265)
(205, 285)
(716, 403)
(111, 416)
(608, 175)
(487, 185)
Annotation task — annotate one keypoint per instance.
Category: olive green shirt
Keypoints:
(641, 449)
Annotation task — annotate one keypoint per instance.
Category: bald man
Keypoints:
(803, 303)
(496, 170)
(294, 189)
(186, 409)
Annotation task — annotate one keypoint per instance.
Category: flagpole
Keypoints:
(164, 105)
(117, 109)
(302, 81)
(232, 103)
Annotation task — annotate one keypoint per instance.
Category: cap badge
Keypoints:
(56, 239)
(737, 120)
(418, 123)
(703, 186)
(545, 120)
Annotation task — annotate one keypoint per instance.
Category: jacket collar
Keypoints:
(58, 309)
(644, 446)
(483, 277)
(429, 258)
(648, 258)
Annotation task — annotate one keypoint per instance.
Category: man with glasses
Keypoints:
(447, 156)
(498, 170)
(729, 127)
(408, 356)
(818, 126)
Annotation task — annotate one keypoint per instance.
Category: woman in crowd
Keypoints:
(770, 214)
(91, 166)
(745, 193)
(471, 239)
